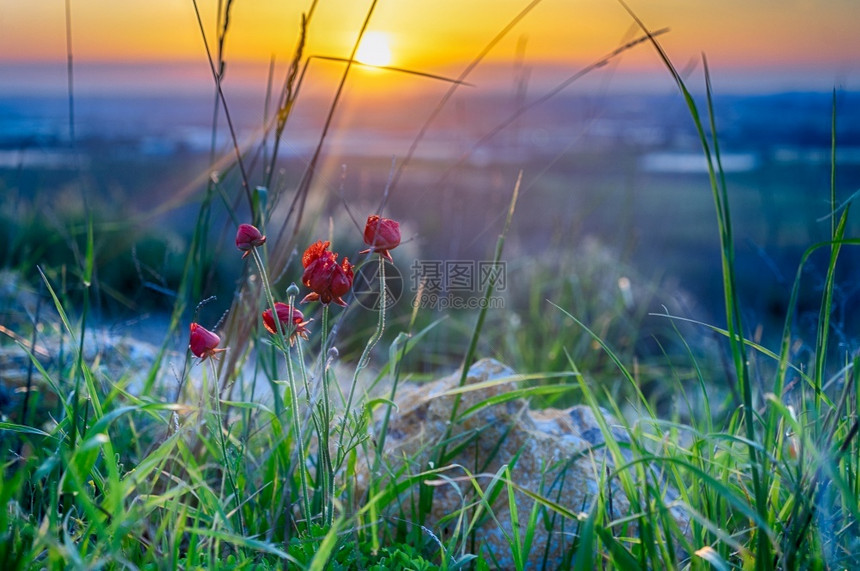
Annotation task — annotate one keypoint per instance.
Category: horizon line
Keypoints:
(156, 76)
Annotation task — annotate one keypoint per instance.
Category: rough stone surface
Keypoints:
(111, 357)
(560, 457)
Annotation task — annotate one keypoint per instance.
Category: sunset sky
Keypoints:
(777, 44)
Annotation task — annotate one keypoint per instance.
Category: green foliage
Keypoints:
(767, 476)
(593, 282)
(349, 554)
(205, 562)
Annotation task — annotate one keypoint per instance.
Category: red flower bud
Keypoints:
(292, 321)
(248, 237)
(203, 342)
(327, 280)
(382, 235)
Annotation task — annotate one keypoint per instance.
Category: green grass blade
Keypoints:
(24, 429)
(326, 548)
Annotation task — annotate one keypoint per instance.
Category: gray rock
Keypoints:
(558, 454)
(111, 357)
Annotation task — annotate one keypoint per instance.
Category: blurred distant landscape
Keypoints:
(625, 169)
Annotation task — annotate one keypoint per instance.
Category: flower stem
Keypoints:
(223, 443)
(270, 300)
(297, 425)
(322, 425)
(325, 450)
(365, 357)
(294, 397)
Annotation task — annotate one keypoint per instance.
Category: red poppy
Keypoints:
(289, 320)
(204, 343)
(248, 237)
(382, 235)
(327, 280)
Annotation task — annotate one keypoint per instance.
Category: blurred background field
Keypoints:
(619, 169)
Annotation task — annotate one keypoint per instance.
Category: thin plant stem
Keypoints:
(323, 352)
(70, 69)
(297, 426)
(325, 451)
(297, 205)
(476, 333)
(375, 477)
(79, 360)
(25, 405)
(325, 473)
(217, 77)
(294, 397)
(365, 357)
(362, 362)
(270, 301)
(222, 442)
(461, 79)
(288, 95)
(524, 108)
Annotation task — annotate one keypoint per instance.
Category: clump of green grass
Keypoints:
(593, 282)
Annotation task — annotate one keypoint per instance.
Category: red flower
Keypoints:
(382, 235)
(248, 237)
(289, 320)
(327, 280)
(204, 343)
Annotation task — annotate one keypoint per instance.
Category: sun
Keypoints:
(374, 49)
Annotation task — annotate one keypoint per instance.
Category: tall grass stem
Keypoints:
(293, 388)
